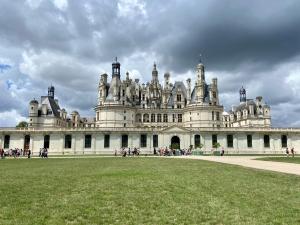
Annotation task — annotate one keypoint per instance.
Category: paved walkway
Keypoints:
(249, 161)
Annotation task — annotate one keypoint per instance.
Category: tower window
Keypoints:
(159, 118)
(179, 118)
(179, 98)
(165, 118)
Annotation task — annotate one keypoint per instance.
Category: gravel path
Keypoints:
(249, 161)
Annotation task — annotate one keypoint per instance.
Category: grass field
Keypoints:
(144, 191)
(282, 159)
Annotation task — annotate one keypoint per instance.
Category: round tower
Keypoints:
(33, 112)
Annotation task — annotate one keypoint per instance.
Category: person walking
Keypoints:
(293, 152)
(222, 152)
(2, 153)
(29, 153)
(287, 152)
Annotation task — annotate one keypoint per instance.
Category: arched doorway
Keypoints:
(175, 142)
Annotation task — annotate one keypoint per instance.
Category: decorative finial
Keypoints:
(116, 59)
(200, 58)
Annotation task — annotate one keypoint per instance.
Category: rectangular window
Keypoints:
(283, 141)
(213, 115)
(229, 141)
(124, 141)
(217, 116)
(214, 139)
(143, 140)
(143, 98)
(88, 141)
(46, 141)
(249, 141)
(159, 118)
(178, 98)
(179, 118)
(155, 140)
(174, 118)
(266, 141)
(6, 141)
(68, 141)
(106, 140)
(152, 118)
(165, 118)
(197, 141)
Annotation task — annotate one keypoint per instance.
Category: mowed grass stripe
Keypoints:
(144, 191)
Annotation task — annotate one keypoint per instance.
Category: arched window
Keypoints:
(146, 118)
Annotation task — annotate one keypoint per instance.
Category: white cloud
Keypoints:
(10, 118)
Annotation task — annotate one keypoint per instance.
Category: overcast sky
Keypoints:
(70, 43)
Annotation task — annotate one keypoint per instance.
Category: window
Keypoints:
(165, 118)
(146, 118)
(88, 141)
(218, 116)
(249, 141)
(46, 141)
(152, 118)
(178, 98)
(214, 94)
(197, 141)
(143, 140)
(155, 140)
(179, 118)
(174, 118)
(106, 140)
(159, 118)
(6, 141)
(124, 117)
(229, 141)
(68, 141)
(283, 141)
(266, 141)
(123, 92)
(214, 139)
(124, 141)
(143, 98)
(213, 115)
(178, 106)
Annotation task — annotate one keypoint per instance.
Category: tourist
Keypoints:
(154, 151)
(129, 151)
(2, 153)
(29, 153)
(222, 152)
(116, 152)
(287, 152)
(293, 152)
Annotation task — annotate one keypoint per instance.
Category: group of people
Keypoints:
(43, 153)
(171, 152)
(288, 152)
(16, 153)
(128, 152)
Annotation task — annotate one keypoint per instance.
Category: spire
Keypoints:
(116, 68)
(242, 95)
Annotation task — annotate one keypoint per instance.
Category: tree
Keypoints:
(216, 145)
(22, 124)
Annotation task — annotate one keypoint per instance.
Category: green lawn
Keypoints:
(282, 159)
(144, 191)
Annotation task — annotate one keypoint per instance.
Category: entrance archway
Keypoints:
(175, 142)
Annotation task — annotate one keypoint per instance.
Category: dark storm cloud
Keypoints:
(69, 43)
